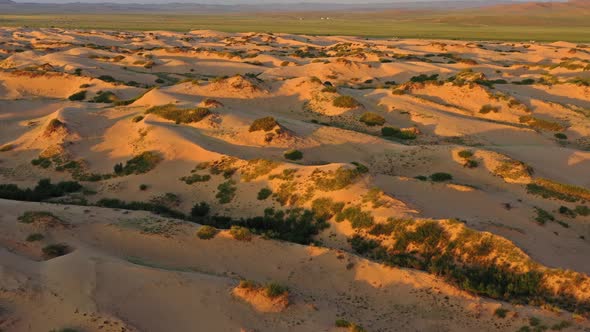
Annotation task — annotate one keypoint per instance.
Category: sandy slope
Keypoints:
(243, 77)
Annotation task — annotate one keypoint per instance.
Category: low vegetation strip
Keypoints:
(565, 192)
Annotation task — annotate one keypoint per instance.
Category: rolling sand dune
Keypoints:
(425, 185)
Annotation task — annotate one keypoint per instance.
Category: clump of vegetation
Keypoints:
(179, 115)
(106, 97)
(53, 126)
(422, 78)
(44, 218)
(513, 169)
(78, 96)
(226, 192)
(293, 155)
(107, 78)
(7, 147)
(264, 193)
(263, 124)
(465, 154)
(137, 118)
(156, 208)
(565, 192)
(485, 109)
(44, 190)
(142, 163)
(35, 237)
(543, 216)
(325, 208)
(200, 210)
(56, 250)
(193, 178)
(274, 290)
(440, 177)
(398, 133)
(540, 124)
(345, 102)
(560, 136)
(206, 232)
(336, 180)
(501, 312)
(357, 217)
(372, 119)
(257, 168)
(240, 233)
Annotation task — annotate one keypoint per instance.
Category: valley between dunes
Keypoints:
(345, 184)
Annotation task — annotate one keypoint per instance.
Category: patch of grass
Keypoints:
(345, 102)
(342, 323)
(264, 193)
(372, 119)
(441, 177)
(335, 180)
(206, 232)
(465, 154)
(325, 208)
(565, 192)
(293, 155)
(193, 178)
(501, 312)
(240, 233)
(485, 109)
(56, 250)
(78, 96)
(257, 168)
(155, 208)
(540, 124)
(422, 78)
(357, 217)
(142, 163)
(274, 290)
(513, 169)
(226, 192)
(179, 115)
(397, 133)
(137, 118)
(263, 124)
(106, 97)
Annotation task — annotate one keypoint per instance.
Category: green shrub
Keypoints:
(155, 208)
(81, 95)
(247, 284)
(179, 115)
(471, 163)
(106, 97)
(193, 178)
(41, 162)
(550, 189)
(200, 209)
(142, 163)
(106, 78)
(42, 191)
(357, 217)
(424, 78)
(336, 180)
(421, 177)
(342, 323)
(264, 193)
(501, 312)
(397, 133)
(35, 237)
(56, 250)
(582, 210)
(441, 177)
(543, 216)
(53, 126)
(137, 118)
(325, 208)
(485, 109)
(265, 124)
(257, 168)
(560, 136)
(240, 233)
(465, 154)
(274, 290)
(345, 102)
(206, 232)
(372, 119)
(143, 187)
(226, 192)
(293, 155)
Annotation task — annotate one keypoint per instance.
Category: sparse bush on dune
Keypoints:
(263, 124)
(78, 96)
(345, 102)
(398, 133)
(540, 124)
(257, 168)
(274, 290)
(226, 192)
(293, 155)
(44, 190)
(325, 208)
(206, 232)
(485, 109)
(264, 193)
(565, 192)
(357, 217)
(372, 119)
(137, 118)
(142, 163)
(440, 177)
(335, 180)
(105, 97)
(200, 209)
(179, 115)
(240, 233)
(54, 126)
(56, 250)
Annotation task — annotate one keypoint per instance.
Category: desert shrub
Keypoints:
(421, 177)
(42, 191)
(357, 217)
(265, 124)
(106, 78)
(137, 118)
(513, 169)
(501, 312)
(257, 168)
(325, 208)
(441, 177)
(264, 193)
(362, 245)
(526, 81)
(193, 178)
(561, 325)
(41, 162)
(465, 154)
(342, 323)
(336, 180)
(372, 119)
(485, 109)
(582, 210)
(56, 250)
(424, 78)
(560, 136)
(274, 290)
(81, 95)
(106, 97)
(397, 133)
(470, 163)
(206, 232)
(240, 233)
(200, 209)
(330, 89)
(540, 124)
(179, 115)
(293, 155)
(247, 284)
(35, 237)
(7, 147)
(550, 189)
(30, 217)
(142, 163)
(345, 102)
(53, 126)
(143, 187)
(155, 208)
(356, 328)
(226, 192)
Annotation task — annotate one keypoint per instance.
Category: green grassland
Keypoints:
(435, 25)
